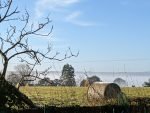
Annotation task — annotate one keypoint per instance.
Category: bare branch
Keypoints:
(17, 38)
(6, 15)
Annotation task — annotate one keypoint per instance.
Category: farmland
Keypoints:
(70, 96)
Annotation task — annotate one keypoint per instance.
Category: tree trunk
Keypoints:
(4, 69)
(5, 65)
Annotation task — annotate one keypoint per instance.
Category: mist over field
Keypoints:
(132, 78)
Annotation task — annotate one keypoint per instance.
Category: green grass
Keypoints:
(134, 92)
(68, 96)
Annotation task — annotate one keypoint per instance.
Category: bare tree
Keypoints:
(15, 44)
(16, 39)
(13, 78)
(23, 75)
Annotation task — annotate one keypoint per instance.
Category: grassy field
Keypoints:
(68, 96)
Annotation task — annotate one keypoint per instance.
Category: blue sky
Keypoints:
(110, 34)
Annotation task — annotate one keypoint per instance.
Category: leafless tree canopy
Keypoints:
(22, 75)
(15, 43)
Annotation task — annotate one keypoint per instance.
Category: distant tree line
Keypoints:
(89, 81)
(121, 82)
(22, 71)
(147, 84)
(22, 77)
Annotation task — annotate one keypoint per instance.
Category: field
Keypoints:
(69, 96)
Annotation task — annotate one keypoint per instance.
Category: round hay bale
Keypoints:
(102, 91)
